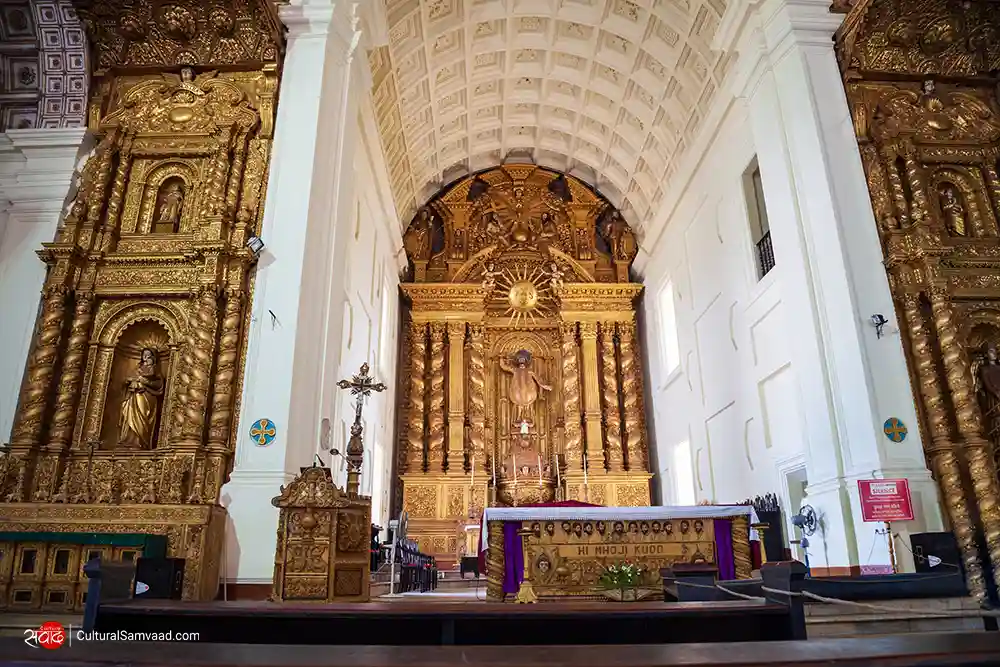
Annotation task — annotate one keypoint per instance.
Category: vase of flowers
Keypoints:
(622, 582)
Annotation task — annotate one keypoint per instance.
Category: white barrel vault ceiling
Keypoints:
(612, 91)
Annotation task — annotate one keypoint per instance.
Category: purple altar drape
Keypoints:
(724, 556)
(513, 564)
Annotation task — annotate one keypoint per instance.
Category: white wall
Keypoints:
(783, 375)
(732, 399)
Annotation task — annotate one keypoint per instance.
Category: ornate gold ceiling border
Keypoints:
(598, 302)
(137, 34)
(949, 38)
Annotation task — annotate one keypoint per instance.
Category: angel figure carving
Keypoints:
(988, 376)
(140, 405)
(524, 384)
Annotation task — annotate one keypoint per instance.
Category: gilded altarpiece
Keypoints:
(921, 83)
(126, 421)
(522, 360)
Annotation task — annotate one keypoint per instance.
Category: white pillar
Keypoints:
(283, 379)
(36, 173)
(828, 251)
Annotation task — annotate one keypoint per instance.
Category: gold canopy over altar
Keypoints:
(521, 362)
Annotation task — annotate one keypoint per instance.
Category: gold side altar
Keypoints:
(520, 380)
(565, 550)
(126, 421)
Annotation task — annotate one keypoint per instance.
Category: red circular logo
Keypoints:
(51, 635)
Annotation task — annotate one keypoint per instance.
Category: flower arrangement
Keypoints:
(621, 577)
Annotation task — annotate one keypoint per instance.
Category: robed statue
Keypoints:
(171, 203)
(989, 393)
(524, 384)
(141, 403)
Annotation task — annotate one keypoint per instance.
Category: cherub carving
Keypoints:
(556, 276)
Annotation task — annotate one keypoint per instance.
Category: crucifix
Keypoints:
(361, 386)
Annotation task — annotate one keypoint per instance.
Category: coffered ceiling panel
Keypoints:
(612, 91)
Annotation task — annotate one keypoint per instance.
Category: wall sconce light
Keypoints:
(256, 245)
(878, 321)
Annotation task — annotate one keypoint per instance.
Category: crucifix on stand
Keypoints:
(361, 386)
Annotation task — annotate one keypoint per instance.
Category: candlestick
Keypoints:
(539, 471)
(555, 462)
(585, 466)
(473, 482)
(513, 460)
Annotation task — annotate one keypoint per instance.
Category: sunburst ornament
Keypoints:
(528, 293)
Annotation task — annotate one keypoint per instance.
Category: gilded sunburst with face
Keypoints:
(527, 293)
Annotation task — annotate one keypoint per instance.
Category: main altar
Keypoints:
(560, 552)
(520, 378)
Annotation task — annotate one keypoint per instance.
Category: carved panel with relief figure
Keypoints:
(522, 256)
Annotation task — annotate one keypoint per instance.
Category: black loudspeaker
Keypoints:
(164, 576)
(941, 545)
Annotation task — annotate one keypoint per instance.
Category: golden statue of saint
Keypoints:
(524, 384)
(954, 212)
(141, 403)
(171, 202)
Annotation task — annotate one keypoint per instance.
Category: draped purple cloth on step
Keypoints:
(724, 556)
(513, 564)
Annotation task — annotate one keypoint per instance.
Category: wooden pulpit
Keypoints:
(324, 534)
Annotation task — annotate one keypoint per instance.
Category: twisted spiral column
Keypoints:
(915, 175)
(970, 426)
(196, 366)
(418, 370)
(635, 445)
(943, 459)
(435, 407)
(573, 434)
(61, 425)
(27, 431)
(215, 202)
(477, 394)
(902, 206)
(61, 428)
(615, 457)
(220, 424)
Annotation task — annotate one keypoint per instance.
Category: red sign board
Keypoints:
(885, 500)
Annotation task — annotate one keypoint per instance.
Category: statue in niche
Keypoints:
(170, 203)
(141, 403)
(989, 393)
(524, 386)
(418, 238)
(619, 237)
(953, 211)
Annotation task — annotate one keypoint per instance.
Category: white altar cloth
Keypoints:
(659, 513)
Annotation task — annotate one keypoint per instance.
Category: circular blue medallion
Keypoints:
(263, 431)
(894, 429)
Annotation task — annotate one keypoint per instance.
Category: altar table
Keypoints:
(562, 551)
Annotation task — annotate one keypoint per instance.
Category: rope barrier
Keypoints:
(943, 613)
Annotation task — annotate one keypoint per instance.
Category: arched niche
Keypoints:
(501, 411)
(137, 387)
(956, 194)
(117, 351)
(168, 199)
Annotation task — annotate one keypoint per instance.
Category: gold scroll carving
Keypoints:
(322, 554)
(920, 84)
(127, 420)
(507, 266)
